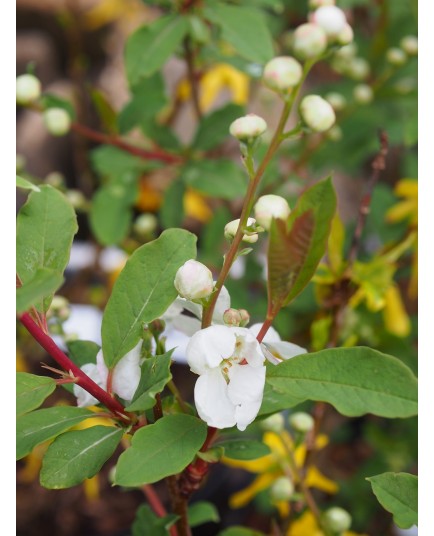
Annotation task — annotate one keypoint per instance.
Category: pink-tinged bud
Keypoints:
(248, 128)
(331, 19)
(282, 73)
(317, 113)
(232, 317)
(245, 317)
(271, 206)
(282, 489)
(409, 45)
(57, 121)
(194, 281)
(309, 41)
(28, 89)
(363, 94)
(346, 36)
(396, 56)
(231, 230)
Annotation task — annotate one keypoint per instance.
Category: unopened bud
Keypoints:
(59, 308)
(409, 45)
(358, 69)
(76, 198)
(282, 489)
(309, 41)
(231, 230)
(363, 94)
(156, 327)
(28, 89)
(248, 128)
(282, 73)
(337, 519)
(317, 113)
(315, 4)
(145, 224)
(301, 422)
(396, 56)
(194, 280)
(331, 19)
(335, 133)
(405, 85)
(57, 121)
(55, 179)
(271, 206)
(245, 317)
(346, 36)
(232, 317)
(336, 100)
(346, 52)
(274, 423)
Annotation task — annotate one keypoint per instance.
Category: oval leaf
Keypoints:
(44, 283)
(242, 449)
(202, 512)
(32, 390)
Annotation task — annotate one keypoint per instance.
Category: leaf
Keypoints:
(172, 209)
(240, 531)
(83, 352)
(214, 128)
(46, 225)
(355, 381)
(150, 46)
(218, 178)
(113, 163)
(43, 424)
(296, 247)
(161, 449)
(242, 449)
(31, 391)
(105, 110)
(202, 512)
(275, 400)
(53, 101)
(149, 524)
(245, 29)
(26, 185)
(397, 493)
(44, 283)
(155, 373)
(75, 456)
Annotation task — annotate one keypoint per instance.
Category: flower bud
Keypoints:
(396, 56)
(317, 113)
(314, 4)
(157, 326)
(335, 133)
(274, 423)
(363, 94)
(28, 89)
(331, 19)
(76, 198)
(337, 519)
(309, 41)
(346, 52)
(268, 207)
(301, 422)
(245, 317)
(409, 45)
(59, 308)
(57, 121)
(231, 230)
(405, 85)
(55, 179)
(248, 128)
(336, 100)
(282, 489)
(232, 317)
(194, 280)
(145, 224)
(282, 73)
(346, 36)
(358, 69)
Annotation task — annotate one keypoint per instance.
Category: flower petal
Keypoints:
(251, 349)
(212, 402)
(126, 374)
(85, 399)
(270, 336)
(186, 324)
(222, 304)
(283, 350)
(208, 347)
(245, 390)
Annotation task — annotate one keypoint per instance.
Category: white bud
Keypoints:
(76, 198)
(282, 489)
(346, 36)
(268, 207)
(358, 69)
(194, 280)
(331, 19)
(346, 52)
(232, 317)
(28, 89)
(248, 128)
(405, 85)
(309, 41)
(231, 230)
(274, 423)
(409, 45)
(337, 519)
(317, 113)
(396, 56)
(57, 121)
(55, 179)
(335, 133)
(301, 422)
(145, 224)
(282, 73)
(363, 94)
(336, 100)
(314, 4)
(245, 317)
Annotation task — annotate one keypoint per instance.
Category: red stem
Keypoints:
(63, 360)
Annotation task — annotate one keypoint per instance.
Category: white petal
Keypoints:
(102, 369)
(223, 303)
(285, 350)
(270, 336)
(193, 308)
(245, 414)
(85, 399)
(177, 340)
(245, 390)
(251, 349)
(173, 310)
(126, 374)
(212, 402)
(208, 347)
(186, 324)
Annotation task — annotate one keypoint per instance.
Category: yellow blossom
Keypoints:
(195, 206)
(306, 525)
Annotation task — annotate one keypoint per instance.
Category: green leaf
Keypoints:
(296, 247)
(240, 531)
(149, 524)
(106, 112)
(161, 449)
(397, 493)
(155, 373)
(355, 381)
(202, 512)
(26, 185)
(46, 225)
(150, 46)
(53, 101)
(244, 449)
(214, 128)
(83, 352)
(31, 391)
(43, 424)
(112, 163)
(172, 209)
(44, 283)
(75, 456)
(218, 178)
(245, 29)
(143, 291)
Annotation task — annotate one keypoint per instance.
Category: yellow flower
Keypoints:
(150, 198)
(306, 525)
(196, 207)
(395, 316)
(108, 11)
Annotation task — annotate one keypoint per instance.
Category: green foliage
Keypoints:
(397, 493)
(26, 185)
(242, 449)
(214, 127)
(240, 531)
(82, 352)
(172, 209)
(202, 512)
(143, 291)
(44, 283)
(53, 101)
(113, 163)
(161, 449)
(31, 391)
(149, 524)
(105, 110)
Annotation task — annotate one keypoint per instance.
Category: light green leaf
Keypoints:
(44, 283)
(83, 352)
(112, 163)
(355, 381)
(202, 512)
(161, 449)
(106, 113)
(75, 456)
(397, 493)
(26, 185)
(31, 391)
(46, 225)
(275, 400)
(43, 424)
(244, 449)
(53, 101)
(172, 209)
(143, 291)
(150, 46)
(214, 128)
(149, 524)
(155, 373)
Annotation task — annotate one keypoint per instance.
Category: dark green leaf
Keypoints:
(244, 449)
(202, 512)
(217, 178)
(149, 524)
(83, 352)
(275, 400)
(106, 112)
(172, 209)
(32, 391)
(214, 128)
(44, 283)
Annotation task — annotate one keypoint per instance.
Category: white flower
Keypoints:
(274, 349)
(57, 121)
(331, 19)
(317, 113)
(231, 371)
(282, 489)
(271, 206)
(28, 89)
(248, 128)
(231, 230)
(194, 280)
(282, 73)
(310, 41)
